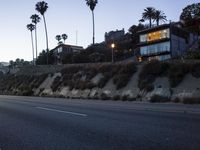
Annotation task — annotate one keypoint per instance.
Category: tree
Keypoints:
(31, 27)
(159, 16)
(190, 16)
(133, 31)
(35, 19)
(191, 12)
(64, 37)
(92, 5)
(149, 14)
(42, 7)
(58, 38)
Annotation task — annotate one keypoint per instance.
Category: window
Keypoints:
(153, 36)
(160, 58)
(60, 49)
(155, 48)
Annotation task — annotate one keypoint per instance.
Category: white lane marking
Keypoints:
(61, 111)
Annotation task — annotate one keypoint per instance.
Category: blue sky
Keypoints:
(69, 16)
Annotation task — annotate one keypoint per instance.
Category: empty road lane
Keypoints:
(35, 123)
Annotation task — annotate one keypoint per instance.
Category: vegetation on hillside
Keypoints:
(174, 71)
(79, 77)
(20, 84)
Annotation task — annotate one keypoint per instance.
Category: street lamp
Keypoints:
(112, 46)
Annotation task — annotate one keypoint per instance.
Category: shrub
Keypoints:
(150, 72)
(25, 91)
(104, 96)
(116, 97)
(125, 97)
(71, 70)
(191, 100)
(176, 100)
(195, 70)
(176, 74)
(55, 83)
(104, 80)
(159, 99)
(124, 75)
(121, 80)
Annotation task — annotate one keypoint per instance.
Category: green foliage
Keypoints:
(124, 75)
(176, 74)
(23, 83)
(121, 80)
(56, 83)
(104, 80)
(190, 16)
(25, 91)
(195, 70)
(116, 97)
(193, 54)
(42, 58)
(18, 63)
(104, 96)
(190, 12)
(150, 72)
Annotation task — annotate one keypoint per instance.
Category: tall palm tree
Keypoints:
(64, 37)
(149, 14)
(31, 27)
(58, 38)
(159, 16)
(35, 19)
(92, 5)
(42, 7)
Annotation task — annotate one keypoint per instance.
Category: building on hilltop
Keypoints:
(164, 42)
(113, 36)
(62, 50)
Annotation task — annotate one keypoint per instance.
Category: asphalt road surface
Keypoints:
(31, 123)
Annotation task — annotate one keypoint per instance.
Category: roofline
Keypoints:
(67, 45)
(154, 28)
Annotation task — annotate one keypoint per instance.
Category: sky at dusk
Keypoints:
(71, 16)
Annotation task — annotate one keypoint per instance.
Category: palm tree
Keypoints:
(159, 16)
(92, 4)
(58, 38)
(64, 37)
(149, 14)
(42, 7)
(31, 27)
(35, 19)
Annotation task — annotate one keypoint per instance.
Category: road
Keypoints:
(34, 123)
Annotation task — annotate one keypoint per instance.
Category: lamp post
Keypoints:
(112, 46)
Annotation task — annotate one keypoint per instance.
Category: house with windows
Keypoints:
(62, 50)
(164, 42)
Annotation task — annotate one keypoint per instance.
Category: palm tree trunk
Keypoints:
(36, 41)
(93, 27)
(46, 39)
(157, 22)
(32, 46)
(150, 22)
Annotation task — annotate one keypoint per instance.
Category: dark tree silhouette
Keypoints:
(149, 14)
(58, 38)
(92, 5)
(190, 17)
(191, 12)
(42, 7)
(31, 27)
(159, 16)
(64, 37)
(35, 19)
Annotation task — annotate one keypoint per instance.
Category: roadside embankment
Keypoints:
(154, 81)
